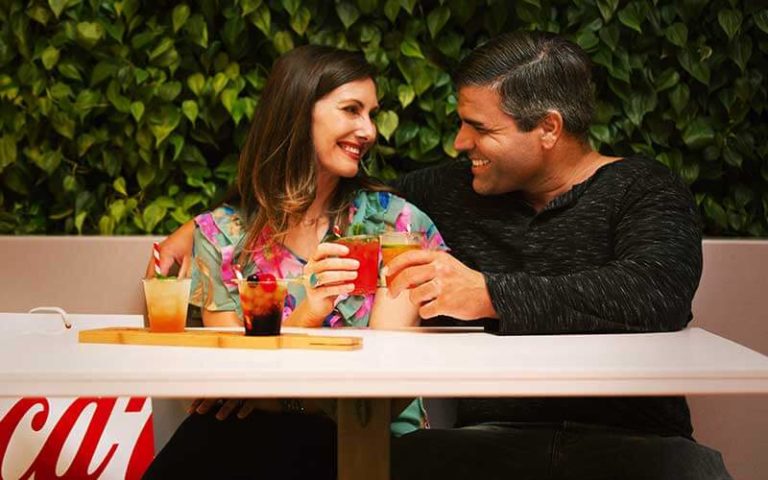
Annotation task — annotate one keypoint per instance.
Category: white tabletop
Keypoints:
(38, 357)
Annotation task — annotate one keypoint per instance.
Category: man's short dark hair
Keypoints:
(534, 72)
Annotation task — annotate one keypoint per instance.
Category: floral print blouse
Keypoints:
(217, 246)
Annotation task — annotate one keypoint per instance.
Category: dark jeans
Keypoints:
(261, 446)
(551, 452)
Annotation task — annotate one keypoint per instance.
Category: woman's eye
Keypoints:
(351, 109)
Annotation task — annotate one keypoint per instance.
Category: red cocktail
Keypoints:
(364, 249)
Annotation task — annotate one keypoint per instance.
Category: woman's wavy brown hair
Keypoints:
(277, 177)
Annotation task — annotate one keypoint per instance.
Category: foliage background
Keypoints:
(126, 117)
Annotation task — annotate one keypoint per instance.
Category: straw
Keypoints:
(156, 256)
(238, 272)
(337, 231)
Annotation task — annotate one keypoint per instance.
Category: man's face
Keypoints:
(504, 159)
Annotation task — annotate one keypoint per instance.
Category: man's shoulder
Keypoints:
(450, 175)
(644, 169)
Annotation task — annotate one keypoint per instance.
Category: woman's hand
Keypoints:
(326, 276)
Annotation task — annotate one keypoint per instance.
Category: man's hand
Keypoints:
(440, 285)
(175, 249)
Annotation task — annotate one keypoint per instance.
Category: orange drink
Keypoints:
(167, 300)
(395, 243)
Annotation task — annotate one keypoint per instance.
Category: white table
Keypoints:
(391, 364)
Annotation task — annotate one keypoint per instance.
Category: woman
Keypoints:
(299, 178)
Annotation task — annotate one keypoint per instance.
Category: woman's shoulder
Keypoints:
(223, 220)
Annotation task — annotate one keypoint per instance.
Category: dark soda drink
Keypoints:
(364, 249)
(262, 301)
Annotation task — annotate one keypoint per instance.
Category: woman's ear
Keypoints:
(551, 127)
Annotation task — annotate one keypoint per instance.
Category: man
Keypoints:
(548, 236)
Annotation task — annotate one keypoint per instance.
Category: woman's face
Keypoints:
(343, 128)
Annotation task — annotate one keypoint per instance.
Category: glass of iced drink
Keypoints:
(364, 249)
(395, 243)
(167, 300)
(262, 297)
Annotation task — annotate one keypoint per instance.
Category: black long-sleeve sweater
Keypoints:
(620, 252)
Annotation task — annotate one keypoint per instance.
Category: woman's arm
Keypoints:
(220, 319)
(176, 248)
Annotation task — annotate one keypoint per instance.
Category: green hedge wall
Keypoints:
(126, 117)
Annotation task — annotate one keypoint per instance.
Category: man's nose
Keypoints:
(463, 141)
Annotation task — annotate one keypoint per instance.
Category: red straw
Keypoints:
(238, 272)
(156, 255)
(336, 231)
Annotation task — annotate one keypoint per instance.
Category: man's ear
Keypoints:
(551, 128)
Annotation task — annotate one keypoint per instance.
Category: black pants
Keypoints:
(551, 452)
(261, 446)
(293, 447)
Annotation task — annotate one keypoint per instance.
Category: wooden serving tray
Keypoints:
(216, 339)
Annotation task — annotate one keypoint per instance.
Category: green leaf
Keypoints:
(63, 124)
(68, 70)
(607, 8)
(163, 122)
(161, 48)
(262, 19)
(228, 98)
(698, 134)
(145, 175)
(696, 67)
(348, 13)
(89, 33)
(119, 186)
(408, 5)
(300, 21)
(741, 52)
(679, 97)
(58, 6)
(198, 30)
(283, 41)
(8, 152)
(152, 215)
(121, 103)
(677, 34)
(169, 91)
(367, 6)
(668, 79)
(391, 9)
(428, 139)
(196, 82)
(49, 161)
(761, 20)
(405, 133)
(386, 122)
(189, 108)
(50, 57)
(178, 145)
(249, 6)
(587, 40)
(632, 16)
(180, 16)
(102, 71)
(137, 110)
(291, 6)
(437, 19)
(405, 94)
(730, 21)
(410, 48)
(220, 81)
